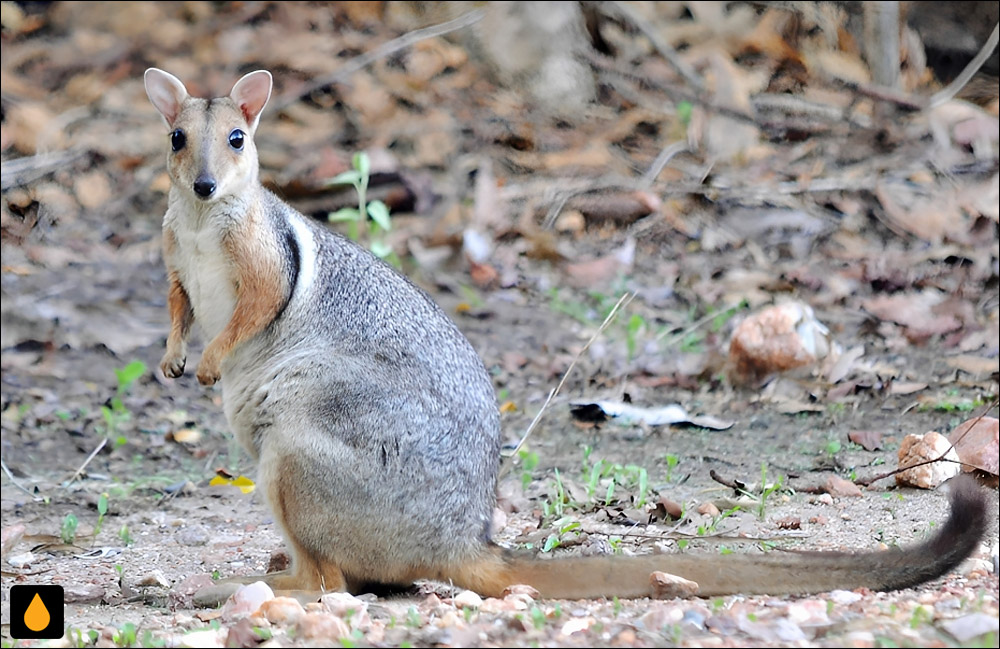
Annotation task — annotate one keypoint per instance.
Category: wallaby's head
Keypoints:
(212, 154)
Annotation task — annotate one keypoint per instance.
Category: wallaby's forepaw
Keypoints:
(172, 365)
(208, 373)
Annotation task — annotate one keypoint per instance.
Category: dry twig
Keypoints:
(622, 301)
(382, 51)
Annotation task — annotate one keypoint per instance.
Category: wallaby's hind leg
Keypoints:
(296, 513)
(310, 575)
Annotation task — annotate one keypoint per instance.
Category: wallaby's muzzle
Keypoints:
(204, 186)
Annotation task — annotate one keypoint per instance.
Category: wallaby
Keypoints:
(372, 419)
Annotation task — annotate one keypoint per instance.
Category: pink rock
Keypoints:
(777, 339)
(349, 608)
(282, 610)
(666, 586)
(322, 627)
(246, 600)
(920, 448)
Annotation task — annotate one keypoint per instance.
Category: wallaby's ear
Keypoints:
(166, 92)
(251, 94)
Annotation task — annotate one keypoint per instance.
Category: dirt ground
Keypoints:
(887, 231)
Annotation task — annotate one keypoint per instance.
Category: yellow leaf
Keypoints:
(508, 406)
(244, 483)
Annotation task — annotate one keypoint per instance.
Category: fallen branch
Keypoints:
(380, 52)
(948, 92)
(622, 301)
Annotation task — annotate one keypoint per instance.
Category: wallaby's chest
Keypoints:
(206, 274)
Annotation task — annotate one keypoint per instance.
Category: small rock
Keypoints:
(21, 560)
(667, 586)
(808, 612)
(212, 595)
(777, 339)
(521, 589)
(351, 609)
(323, 627)
(708, 509)
(660, 616)
(282, 610)
(10, 536)
(920, 448)
(467, 599)
(972, 626)
(279, 560)
(824, 499)
(789, 523)
(519, 601)
(837, 486)
(819, 519)
(844, 597)
(243, 634)
(576, 625)
(209, 639)
(193, 535)
(82, 593)
(975, 565)
(246, 600)
(154, 578)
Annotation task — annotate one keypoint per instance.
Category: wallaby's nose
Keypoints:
(204, 186)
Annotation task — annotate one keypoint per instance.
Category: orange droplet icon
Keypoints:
(37, 616)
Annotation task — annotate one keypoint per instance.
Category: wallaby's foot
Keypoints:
(284, 584)
(208, 373)
(172, 364)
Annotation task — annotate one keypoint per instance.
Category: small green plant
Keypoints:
(538, 617)
(833, 447)
(617, 604)
(713, 527)
(632, 328)
(377, 211)
(102, 509)
(921, 616)
(672, 461)
(124, 535)
(67, 531)
(412, 618)
(125, 636)
(115, 413)
(529, 460)
(616, 544)
(766, 490)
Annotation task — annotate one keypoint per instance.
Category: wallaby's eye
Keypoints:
(178, 140)
(236, 139)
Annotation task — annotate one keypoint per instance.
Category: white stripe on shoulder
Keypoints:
(307, 254)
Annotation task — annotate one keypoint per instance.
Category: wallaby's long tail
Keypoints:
(775, 573)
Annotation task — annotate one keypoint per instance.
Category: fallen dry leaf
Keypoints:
(977, 442)
(869, 440)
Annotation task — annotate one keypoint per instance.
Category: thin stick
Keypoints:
(622, 301)
(953, 88)
(661, 161)
(385, 49)
(663, 47)
(87, 461)
(697, 324)
(17, 484)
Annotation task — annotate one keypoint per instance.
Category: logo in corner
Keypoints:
(36, 612)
